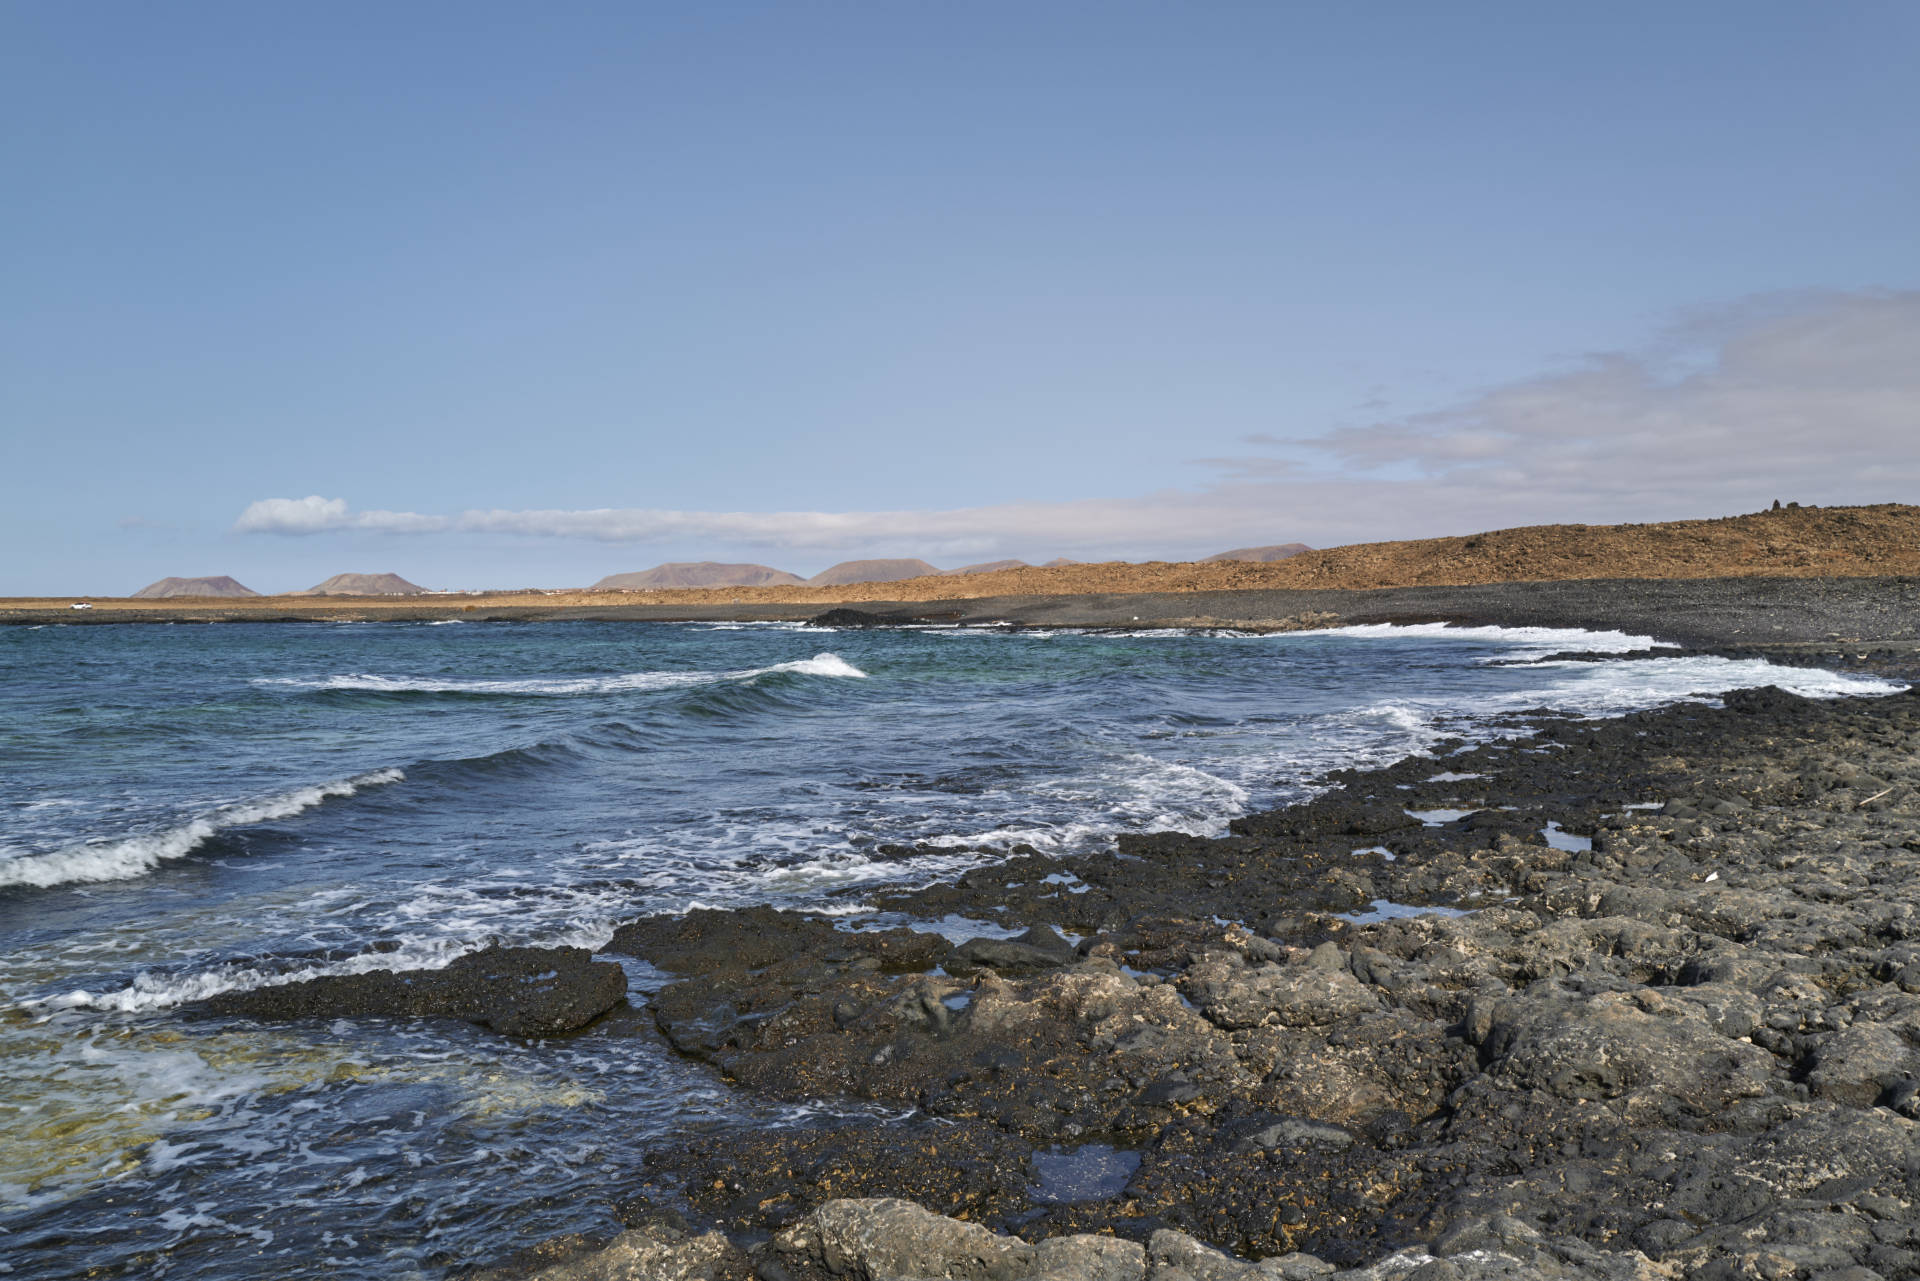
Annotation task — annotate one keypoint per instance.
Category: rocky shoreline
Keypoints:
(1625, 998)
(1666, 1023)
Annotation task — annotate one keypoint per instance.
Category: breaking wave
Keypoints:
(132, 856)
(1560, 638)
(819, 665)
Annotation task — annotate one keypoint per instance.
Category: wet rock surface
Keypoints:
(663, 1248)
(1649, 1008)
(883, 1238)
(517, 991)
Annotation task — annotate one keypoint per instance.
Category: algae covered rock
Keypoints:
(518, 991)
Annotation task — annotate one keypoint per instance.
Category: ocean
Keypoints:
(186, 810)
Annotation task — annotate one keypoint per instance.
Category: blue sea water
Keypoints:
(187, 810)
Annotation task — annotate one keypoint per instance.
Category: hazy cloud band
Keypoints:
(1811, 398)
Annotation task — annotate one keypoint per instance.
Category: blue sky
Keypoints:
(523, 295)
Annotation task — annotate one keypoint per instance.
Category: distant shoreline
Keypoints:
(1865, 622)
(1805, 543)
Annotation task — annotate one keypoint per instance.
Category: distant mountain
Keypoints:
(1279, 551)
(703, 573)
(871, 571)
(1060, 562)
(221, 586)
(364, 585)
(988, 567)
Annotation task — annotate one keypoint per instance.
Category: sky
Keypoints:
(499, 295)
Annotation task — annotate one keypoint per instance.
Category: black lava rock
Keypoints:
(518, 991)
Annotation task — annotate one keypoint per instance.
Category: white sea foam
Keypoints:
(1603, 688)
(1551, 638)
(761, 625)
(1596, 688)
(1129, 792)
(818, 665)
(131, 856)
(151, 991)
(823, 664)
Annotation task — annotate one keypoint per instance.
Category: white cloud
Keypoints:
(1820, 401)
(1811, 399)
(963, 529)
(316, 515)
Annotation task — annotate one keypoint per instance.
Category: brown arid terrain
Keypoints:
(363, 585)
(221, 585)
(1794, 542)
(705, 573)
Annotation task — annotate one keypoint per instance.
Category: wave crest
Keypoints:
(133, 856)
(823, 664)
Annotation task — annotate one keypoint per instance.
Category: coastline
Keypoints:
(1664, 1021)
(1854, 623)
(1222, 1051)
(1792, 542)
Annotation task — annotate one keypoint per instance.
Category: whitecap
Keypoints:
(1561, 638)
(1608, 689)
(132, 856)
(822, 664)
(150, 990)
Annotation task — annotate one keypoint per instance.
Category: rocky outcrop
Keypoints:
(883, 1238)
(656, 1251)
(858, 618)
(517, 991)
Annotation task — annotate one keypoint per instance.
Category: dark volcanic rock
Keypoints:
(518, 991)
(1685, 1043)
(708, 941)
(1038, 949)
(844, 617)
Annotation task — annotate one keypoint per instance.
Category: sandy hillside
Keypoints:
(220, 585)
(1792, 542)
(704, 573)
(872, 571)
(1839, 542)
(363, 585)
(1278, 551)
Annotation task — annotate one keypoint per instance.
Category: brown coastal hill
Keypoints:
(703, 573)
(364, 585)
(987, 567)
(1835, 542)
(849, 572)
(1794, 542)
(169, 588)
(1279, 551)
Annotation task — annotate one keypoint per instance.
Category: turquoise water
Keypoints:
(188, 810)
